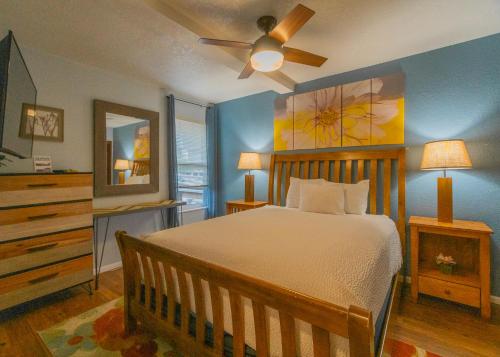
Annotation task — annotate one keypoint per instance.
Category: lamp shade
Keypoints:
(121, 164)
(267, 55)
(445, 154)
(249, 161)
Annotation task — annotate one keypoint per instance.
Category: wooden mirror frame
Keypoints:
(101, 188)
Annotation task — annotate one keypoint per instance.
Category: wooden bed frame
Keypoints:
(144, 303)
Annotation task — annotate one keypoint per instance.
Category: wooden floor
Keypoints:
(440, 327)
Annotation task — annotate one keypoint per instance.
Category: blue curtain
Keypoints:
(172, 217)
(211, 194)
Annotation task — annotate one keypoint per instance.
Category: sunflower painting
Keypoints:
(356, 113)
(283, 123)
(304, 126)
(368, 112)
(328, 119)
(388, 110)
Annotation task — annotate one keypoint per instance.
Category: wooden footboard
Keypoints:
(146, 305)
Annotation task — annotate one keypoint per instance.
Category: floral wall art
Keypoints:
(368, 112)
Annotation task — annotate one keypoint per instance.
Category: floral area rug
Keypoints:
(100, 332)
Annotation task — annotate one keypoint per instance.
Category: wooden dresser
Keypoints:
(45, 234)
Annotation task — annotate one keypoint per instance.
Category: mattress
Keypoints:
(342, 259)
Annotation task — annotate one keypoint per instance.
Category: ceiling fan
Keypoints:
(268, 52)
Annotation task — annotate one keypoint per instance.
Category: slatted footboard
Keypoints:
(149, 278)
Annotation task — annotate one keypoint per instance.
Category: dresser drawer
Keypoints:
(18, 223)
(28, 253)
(36, 189)
(22, 287)
(450, 291)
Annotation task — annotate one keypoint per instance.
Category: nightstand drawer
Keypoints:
(454, 292)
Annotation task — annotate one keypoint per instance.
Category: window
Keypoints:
(191, 163)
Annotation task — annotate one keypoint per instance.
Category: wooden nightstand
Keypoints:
(240, 205)
(469, 244)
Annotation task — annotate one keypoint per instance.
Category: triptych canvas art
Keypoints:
(369, 112)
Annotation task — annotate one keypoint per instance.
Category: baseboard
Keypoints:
(494, 299)
(112, 266)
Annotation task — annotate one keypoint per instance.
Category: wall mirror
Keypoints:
(125, 150)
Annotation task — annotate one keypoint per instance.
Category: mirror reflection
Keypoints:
(127, 150)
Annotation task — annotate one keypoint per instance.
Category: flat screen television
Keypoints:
(17, 100)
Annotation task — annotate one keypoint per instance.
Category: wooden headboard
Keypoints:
(348, 167)
(140, 167)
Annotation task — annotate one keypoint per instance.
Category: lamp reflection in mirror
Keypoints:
(249, 161)
(445, 155)
(121, 166)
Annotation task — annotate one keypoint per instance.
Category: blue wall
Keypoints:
(453, 92)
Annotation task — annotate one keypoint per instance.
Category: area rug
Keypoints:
(100, 332)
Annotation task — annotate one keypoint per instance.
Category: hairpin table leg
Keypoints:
(98, 258)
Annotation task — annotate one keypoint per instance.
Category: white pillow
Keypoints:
(324, 198)
(356, 197)
(293, 195)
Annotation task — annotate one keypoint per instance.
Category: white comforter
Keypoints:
(343, 259)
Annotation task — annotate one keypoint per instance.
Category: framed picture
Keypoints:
(44, 123)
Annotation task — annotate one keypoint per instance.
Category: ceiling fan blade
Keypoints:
(303, 57)
(247, 71)
(291, 23)
(237, 44)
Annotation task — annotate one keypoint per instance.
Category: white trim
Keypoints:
(112, 266)
(493, 299)
(187, 210)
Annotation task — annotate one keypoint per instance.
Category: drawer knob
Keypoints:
(43, 278)
(447, 292)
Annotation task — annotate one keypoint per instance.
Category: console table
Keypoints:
(162, 206)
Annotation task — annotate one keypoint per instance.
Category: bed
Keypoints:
(230, 297)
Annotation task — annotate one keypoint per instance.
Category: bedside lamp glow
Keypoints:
(445, 155)
(249, 161)
(121, 166)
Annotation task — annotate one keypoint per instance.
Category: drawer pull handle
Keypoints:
(42, 216)
(447, 292)
(41, 184)
(41, 247)
(43, 278)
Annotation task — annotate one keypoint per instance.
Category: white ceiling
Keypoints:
(133, 39)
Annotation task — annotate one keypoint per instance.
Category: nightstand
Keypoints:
(241, 205)
(468, 242)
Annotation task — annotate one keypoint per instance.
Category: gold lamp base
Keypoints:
(249, 186)
(121, 177)
(445, 200)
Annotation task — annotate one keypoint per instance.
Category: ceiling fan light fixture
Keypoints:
(267, 60)
(267, 55)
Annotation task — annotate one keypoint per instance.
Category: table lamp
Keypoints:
(445, 155)
(121, 166)
(249, 161)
